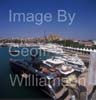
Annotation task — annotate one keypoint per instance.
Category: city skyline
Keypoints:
(83, 26)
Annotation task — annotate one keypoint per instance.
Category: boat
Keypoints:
(60, 65)
(73, 63)
(73, 59)
(14, 52)
(52, 48)
(36, 67)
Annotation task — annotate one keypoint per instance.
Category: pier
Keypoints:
(83, 53)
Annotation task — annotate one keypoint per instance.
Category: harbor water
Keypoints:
(6, 90)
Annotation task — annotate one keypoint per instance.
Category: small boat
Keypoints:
(14, 52)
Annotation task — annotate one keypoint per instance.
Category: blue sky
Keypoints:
(83, 26)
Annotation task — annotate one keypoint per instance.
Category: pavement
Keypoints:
(87, 86)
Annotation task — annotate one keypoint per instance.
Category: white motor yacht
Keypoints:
(74, 61)
(60, 65)
(52, 48)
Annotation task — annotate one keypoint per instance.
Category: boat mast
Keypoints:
(45, 38)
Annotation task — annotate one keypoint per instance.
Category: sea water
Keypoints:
(6, 90)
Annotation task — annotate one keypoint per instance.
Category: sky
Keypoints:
(83, 26)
